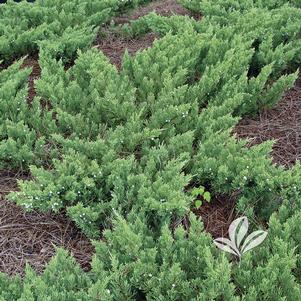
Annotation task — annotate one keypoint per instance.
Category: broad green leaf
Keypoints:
(198, 204)
(207, 196)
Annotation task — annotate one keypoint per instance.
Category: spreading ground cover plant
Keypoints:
(275, 39)
(84, 137)
(221, 7)
(132, 265)
(117, 150)
(59, 27)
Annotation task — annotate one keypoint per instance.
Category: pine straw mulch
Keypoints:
(32, 237)
(218, 214)
(282, 123)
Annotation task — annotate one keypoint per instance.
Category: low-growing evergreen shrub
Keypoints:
(133, 264)
(219, 7)
(118, 150)
(95, 166)
(59, 27)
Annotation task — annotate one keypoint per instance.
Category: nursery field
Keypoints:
(136, 137)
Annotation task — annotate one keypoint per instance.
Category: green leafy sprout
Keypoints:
(201, 194)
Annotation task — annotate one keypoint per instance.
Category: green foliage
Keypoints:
(220, 7)
(159, 24)
(201, 193)
(62, 280)
(168, 268)
(59, 27)
(275, 33)
(20, 144)
(117, 150)
(95, 167)
(133, 264)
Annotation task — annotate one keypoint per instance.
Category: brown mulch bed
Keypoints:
(218, 214)
(32, 61)
(31, 237)
(281, 123)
